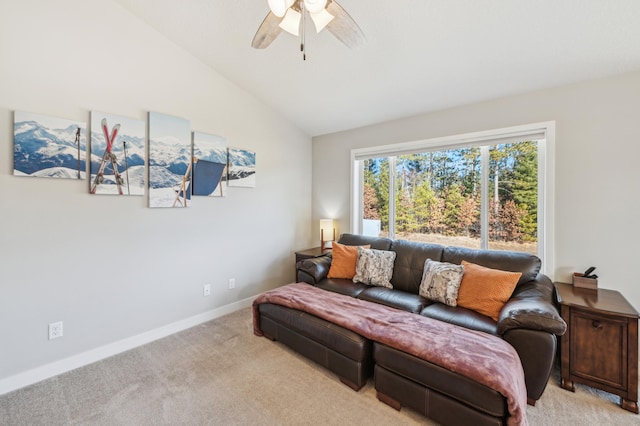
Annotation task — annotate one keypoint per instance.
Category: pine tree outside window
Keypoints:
(487, 190)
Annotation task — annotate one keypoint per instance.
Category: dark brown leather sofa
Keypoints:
(529, 322)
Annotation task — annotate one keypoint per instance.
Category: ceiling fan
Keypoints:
(290, 16)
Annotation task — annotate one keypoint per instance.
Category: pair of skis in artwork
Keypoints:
(110, 157)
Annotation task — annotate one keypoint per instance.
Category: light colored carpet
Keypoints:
(219, 373)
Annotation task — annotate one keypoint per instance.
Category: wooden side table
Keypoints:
(600, 347)
(308, 254)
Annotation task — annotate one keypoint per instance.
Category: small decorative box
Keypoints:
(580, 281)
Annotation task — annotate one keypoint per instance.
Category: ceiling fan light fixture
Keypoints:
(291, 22)
(279, 7)
(315, 6)
(291, 18)
(321, 19)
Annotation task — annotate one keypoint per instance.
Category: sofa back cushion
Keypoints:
(363, 240)
(511, 261)
(410, 257)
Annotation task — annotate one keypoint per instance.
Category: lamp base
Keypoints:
(324, 246)
(323, 242)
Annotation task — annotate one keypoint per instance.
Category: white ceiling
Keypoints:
(420, 56)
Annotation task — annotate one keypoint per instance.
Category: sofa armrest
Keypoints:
(531, 306)
(313, 270)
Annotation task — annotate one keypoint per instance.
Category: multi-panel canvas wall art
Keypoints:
(45, 146)
(209, 164)
(242, 168)
(117, 155)
(169, 161)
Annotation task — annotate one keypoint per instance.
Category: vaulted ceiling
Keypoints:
(420, 56)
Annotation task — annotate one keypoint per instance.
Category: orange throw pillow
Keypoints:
(486, 290)
(343, 264)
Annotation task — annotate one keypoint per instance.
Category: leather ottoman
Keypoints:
(342, 351)
(439, 394)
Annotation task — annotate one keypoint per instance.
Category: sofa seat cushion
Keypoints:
(394, 298)
(444, 381)
(461, 316)
(334, 337)
(342, 286)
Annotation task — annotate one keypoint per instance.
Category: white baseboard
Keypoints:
(58, 367)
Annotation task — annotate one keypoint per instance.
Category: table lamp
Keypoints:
(327, 229)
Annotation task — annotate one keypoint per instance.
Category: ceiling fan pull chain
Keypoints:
(303, 38)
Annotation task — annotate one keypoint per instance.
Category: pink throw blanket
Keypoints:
(484, 358)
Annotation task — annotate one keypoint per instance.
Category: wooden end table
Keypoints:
(600, 347)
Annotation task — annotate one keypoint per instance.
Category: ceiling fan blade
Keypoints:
(267, 32)
(343, 27)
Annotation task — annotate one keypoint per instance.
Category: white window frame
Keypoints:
(543, 132)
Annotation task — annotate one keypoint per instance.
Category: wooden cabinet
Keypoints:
(600, 347)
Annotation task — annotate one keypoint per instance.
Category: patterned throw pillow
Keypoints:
(441, 281)
(375, 267)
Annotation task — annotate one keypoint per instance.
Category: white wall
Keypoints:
(110, 267)
(597, 201)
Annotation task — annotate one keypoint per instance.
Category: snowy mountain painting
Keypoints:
(169, 161)
(209, 148)
(242, 168)
(46, 146)
(117, 155)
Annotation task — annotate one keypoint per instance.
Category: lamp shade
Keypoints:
(315, 6)
(326, 226)
(291, 22)
(327, 233)
(279, 7)
(321, 19)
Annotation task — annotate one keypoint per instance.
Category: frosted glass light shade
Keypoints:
(279, 7)
(327, 232)
(315, 6)
(291, 22)
(321, 19)
(326, 225)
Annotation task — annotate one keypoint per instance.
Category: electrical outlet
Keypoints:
(55, 330)
(232, 283)
(206, 290)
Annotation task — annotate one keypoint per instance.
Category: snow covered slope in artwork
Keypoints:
(42, 143)
(170, 156)
(242, 168)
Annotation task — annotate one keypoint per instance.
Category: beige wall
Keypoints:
(597, 151)
(110, 267)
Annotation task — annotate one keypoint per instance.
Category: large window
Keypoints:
(485, 191)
